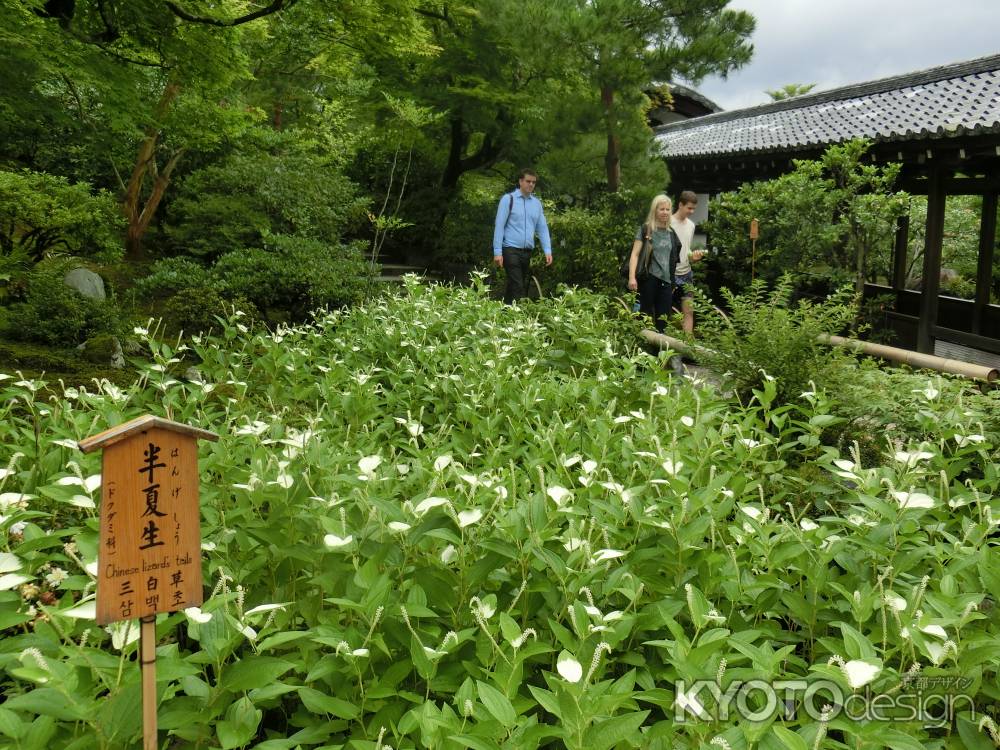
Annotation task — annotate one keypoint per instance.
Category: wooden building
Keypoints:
(941, 124)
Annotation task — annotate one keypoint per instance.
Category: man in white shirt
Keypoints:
(687, 202)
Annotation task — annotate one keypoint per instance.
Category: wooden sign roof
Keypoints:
(141, 424)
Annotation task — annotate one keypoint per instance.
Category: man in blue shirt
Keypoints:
(519, 219)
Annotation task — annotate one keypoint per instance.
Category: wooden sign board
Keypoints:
(754, 229)
(149, 558)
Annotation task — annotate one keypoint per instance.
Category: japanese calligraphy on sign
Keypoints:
(149, 558)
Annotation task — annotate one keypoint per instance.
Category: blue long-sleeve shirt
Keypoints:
(518, 222)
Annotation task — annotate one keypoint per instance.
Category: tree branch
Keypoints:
(436, 16)
(111, 33)
(274, 7)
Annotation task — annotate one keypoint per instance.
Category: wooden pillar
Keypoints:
(934, 237)
(984, 274)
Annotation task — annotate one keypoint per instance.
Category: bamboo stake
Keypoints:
(916, 359)
(890, 353)
(147, 662)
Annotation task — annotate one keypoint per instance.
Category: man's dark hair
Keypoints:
(525, 172)
(687, 196)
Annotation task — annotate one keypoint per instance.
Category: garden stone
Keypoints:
(86, 282)
(103, 349)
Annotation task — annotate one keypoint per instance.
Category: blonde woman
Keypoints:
(651, 267)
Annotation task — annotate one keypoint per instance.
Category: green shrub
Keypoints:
(827, 217)
(765, 336)
(294, 274)
(467, 234)
(278, 183)
(898, 405)
(197, 309)
(42, 213)
(172, 275)
(588, 242)
(54, 313)
(588, 248)
(536, 540)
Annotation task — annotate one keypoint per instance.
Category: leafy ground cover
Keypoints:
(439, 522)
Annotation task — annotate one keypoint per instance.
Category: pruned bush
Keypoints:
(198, 309)
(467, 234)
(589, 246)
(280, 184)
(54, 313)
(589, 242)
(172, 275)
(294, 274)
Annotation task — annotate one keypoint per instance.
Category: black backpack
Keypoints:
(645, 257)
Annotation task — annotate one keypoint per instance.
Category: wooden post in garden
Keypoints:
(754, 234)
(149, 553)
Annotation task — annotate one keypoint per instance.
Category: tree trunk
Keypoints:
(138, 215)
(485, 156)
(456, 145)
(860, 258)
(612, 157)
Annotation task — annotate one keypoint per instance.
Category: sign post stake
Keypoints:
(754, 234)
(147, 661)
(149, 552)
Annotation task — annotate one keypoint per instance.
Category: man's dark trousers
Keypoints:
(515, 262)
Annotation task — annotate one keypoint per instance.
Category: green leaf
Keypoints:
(509, 628)
(546, 700)
(857, 646)
(497, 704)
(476, 743)
(50, 702)
(280, 639)
(608, 733)
(240, 724)
(252, 672)
(322, 703)
(989, 571)
(11, 724)
(972, 737)
(789, 739)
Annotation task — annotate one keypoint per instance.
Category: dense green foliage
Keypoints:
(286, 279)
(51, 312)
(283, 185)
(821, 222)
(217, 128)
(293, 274)
(439, 521)
(589, 243)
(766, 337)
(42, 214)
(959, 248)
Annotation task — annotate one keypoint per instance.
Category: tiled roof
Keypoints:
(678, 89)
(948, 101)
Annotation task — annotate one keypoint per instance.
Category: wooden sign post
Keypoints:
(149, 554)
(754, 234)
